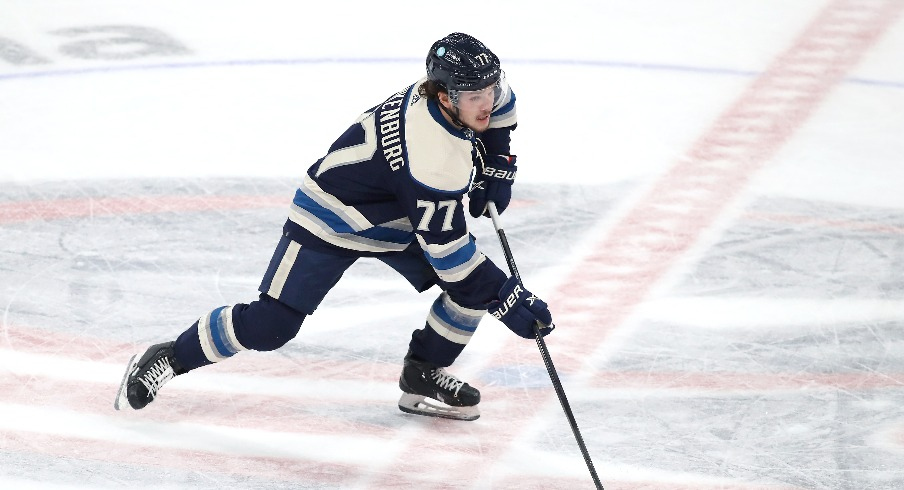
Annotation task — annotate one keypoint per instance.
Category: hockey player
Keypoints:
(390, 187)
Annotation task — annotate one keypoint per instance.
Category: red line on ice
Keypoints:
(652, 237)
(263, 468)
(45, 210)
(82, 347)
(593, 301)
(69, 208)
(688, 199)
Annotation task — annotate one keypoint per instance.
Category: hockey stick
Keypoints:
(553, 374)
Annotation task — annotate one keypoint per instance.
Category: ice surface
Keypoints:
(719, 232)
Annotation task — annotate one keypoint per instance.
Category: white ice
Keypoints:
(734, 325)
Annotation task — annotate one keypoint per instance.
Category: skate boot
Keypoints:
(145, 377)
(430, 390)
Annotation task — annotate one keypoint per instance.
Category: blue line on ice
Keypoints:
(344, 61)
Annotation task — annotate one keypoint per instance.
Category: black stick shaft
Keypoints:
(544, 352)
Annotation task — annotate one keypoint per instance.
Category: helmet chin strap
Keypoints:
(454, 116)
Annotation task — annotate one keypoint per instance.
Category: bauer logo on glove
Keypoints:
(520, 310)
(499, 174)
(510, 301)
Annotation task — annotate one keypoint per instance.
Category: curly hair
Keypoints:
(431, 89)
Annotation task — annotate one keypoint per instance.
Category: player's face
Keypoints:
(474, 108)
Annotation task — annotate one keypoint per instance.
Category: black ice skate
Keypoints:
(145, 377)
(430, 390)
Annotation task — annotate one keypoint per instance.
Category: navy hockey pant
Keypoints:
(294, 285)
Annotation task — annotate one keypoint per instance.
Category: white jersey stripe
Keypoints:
(282, 272)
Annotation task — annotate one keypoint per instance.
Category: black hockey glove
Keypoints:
(519, 310)
(493, 182)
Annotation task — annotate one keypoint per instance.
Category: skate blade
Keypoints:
(122, 400)
(421, 405)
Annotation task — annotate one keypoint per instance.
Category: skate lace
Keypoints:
(157, 376)
(447, 381)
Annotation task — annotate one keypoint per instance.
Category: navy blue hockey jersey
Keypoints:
(396, 175)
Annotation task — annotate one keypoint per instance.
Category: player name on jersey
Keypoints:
(390, 139)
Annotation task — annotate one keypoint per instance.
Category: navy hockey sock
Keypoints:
(262, 325)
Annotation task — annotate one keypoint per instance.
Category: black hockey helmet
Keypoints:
(459, 62)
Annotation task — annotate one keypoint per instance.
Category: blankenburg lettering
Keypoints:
(390, 136)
